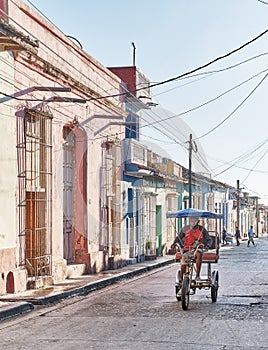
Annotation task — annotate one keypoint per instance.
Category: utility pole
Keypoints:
(190, 170)
(238, 204)
(257, 217)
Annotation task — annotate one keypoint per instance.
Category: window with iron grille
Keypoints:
(37, 169)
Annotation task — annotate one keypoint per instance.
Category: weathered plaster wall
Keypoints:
(59, 62)
(12, 278)
(8, 165)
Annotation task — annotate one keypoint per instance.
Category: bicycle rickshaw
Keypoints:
(211, 280)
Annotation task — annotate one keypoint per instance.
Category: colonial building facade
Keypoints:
(79, 191)
(60, 151)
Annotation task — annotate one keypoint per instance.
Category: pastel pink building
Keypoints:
(60, 155)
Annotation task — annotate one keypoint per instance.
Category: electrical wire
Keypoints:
(158, 140)
(209, 63)
(240, 104)
(255, 166)
(102, 136)
(210, 73)
(200, 158)
(258, 194)
(193, 70)
(56, 26)
(214, 60)
(41, 13)
(62, 58)
(263, 2)
(35, 82)
(242, 157)
(181, 75)
(233, 112)
(171, 80)
(157, 119)
(209, 101)
(246, 157)
(194, 108)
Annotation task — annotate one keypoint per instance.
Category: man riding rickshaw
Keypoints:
(193, 242)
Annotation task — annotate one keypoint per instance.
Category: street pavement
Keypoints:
(12, 305)
(239, 267)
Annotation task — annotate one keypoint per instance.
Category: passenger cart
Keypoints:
(211, 280)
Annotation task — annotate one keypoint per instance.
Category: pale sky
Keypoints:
(173, 37)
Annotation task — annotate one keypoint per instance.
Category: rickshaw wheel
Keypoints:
(214, 286)
(177, 288)
(185, 293)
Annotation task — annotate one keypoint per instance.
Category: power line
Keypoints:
(180, 76)
(213, 61)
(60, 56)
(241, 158)
(186, 72)
(158, 140)
(175, 137)
(207, 74)
(209, 101)
(188, 111)
(245, 158)
(240, 104)
(200, 158)
(264, 2)
(255, 165)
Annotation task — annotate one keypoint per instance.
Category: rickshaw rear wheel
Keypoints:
(178, 285)
(177, 288)
(214, 286)
(185, 292)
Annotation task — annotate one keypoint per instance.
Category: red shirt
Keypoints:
(191, 236)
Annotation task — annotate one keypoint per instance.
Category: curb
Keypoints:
(14, 310)
(93, 286)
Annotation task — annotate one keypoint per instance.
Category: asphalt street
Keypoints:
(243, 280)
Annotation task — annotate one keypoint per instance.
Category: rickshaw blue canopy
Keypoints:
(190, 212)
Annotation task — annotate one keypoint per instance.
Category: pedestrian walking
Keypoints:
(224, 234)
(237, 235)
(251, 235)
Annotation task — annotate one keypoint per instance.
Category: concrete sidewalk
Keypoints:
(12, 305)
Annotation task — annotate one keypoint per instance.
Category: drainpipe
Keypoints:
(134, 54)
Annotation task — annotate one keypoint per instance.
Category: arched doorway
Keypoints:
(74, 195)
(68, 183)
(10, 284)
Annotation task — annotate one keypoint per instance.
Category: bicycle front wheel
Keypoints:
(185, 292)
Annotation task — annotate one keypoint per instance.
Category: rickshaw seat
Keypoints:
(208, 257)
